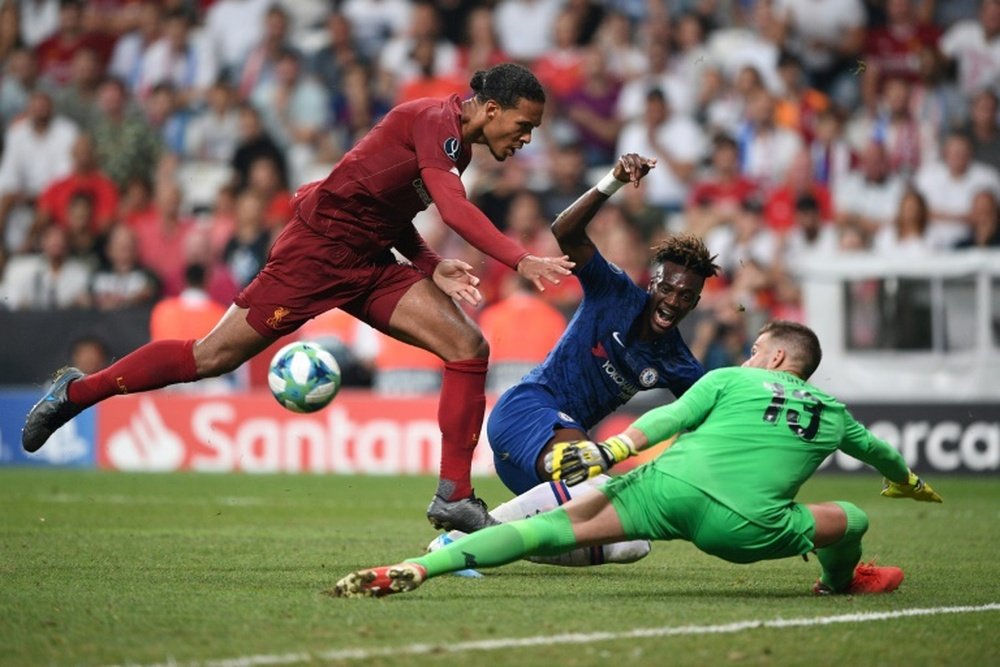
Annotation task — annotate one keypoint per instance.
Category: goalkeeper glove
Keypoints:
(914, 488)
(574, 462)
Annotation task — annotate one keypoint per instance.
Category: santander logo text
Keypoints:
(357, 434)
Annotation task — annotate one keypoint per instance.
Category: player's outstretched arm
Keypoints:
(570, 226)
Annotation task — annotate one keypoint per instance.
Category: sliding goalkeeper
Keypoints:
(754, 435)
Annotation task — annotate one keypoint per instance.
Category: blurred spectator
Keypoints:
(356, 107)
(397, 63)
(10, 37)
(909, 141)
(189, 314)
(560, 69)
(747, 241)
(480, 48)
(525, 27)
(80, 225)
(907, 235)
(39, 20)
(985, 222)
(18, 81)
(798, 105)
(521, 329)
(971, 45)
(212, 135)
(246, 251)
(168, 116)
(949, 186)
(590, 109)
(374, 21)
(568, 170)
(78, 99)
(766, 150)
(87, 179)
(722, 107)
(427, 83)
(136, 200)
(719, 194)
(869, 196)
(830, 154)
(89, 353)
(828, 37)
(810, 234)
(123, 281)
(895, 50)
(46, 281)
(161, 237)
(756, 44)
(984, 128)
(632, 99)
(293, 107)
(624, 59)
(128, 58)
(254, 143)
(265, 181)
(496, 186)
(36, 153)
(180, 58)
(127, 146)
(779, 206)
(262, 62)
(220, 285)
(691, 57)
(675, 141)
(329, 62)
(232, 27)
(55, 53)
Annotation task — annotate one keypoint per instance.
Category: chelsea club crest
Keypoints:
(648, 377)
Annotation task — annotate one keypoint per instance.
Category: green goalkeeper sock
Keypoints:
(542, 535)
(839, 560)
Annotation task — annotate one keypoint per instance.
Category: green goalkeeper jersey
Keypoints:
(755, 436)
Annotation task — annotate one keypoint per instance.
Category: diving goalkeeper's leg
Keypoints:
(590, 520)
(839, 529)
(548, 496)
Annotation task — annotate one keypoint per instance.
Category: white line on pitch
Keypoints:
(575, 638)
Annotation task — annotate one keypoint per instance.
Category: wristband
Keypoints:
(609, 184)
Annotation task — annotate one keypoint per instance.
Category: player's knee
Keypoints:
(213, 360)
(857, 520)
(472, 345)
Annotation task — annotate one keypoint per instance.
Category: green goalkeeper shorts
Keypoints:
(656, 506)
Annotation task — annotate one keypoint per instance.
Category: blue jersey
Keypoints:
(598, 365)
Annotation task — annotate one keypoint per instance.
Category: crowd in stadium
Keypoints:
(150, 148)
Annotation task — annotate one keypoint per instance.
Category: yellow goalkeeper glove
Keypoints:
(574, 462)
(914, 488)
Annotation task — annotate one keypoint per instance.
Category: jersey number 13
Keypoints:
(793, 418)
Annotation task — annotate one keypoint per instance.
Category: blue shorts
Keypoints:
(520, 425)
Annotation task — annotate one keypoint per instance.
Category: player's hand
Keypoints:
(551, 269)
(631, 167)
(915, 488)
(578, 461)
(455, 278)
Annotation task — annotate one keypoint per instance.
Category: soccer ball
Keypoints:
(303, 377)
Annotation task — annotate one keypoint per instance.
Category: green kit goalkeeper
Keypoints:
(751, 436)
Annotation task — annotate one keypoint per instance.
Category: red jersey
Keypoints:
(370, 198)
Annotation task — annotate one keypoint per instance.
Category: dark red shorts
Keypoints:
(307, 274)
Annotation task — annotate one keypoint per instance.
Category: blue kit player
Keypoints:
(622, 339)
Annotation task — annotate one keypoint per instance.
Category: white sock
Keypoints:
(550, 495)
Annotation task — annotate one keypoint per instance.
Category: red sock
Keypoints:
(460, 414)
(154, 365)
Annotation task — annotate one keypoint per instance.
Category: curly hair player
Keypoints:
(622, 339)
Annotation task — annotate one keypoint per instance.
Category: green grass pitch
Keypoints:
(114, 569)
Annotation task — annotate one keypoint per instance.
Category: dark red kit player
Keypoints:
(336, 252)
